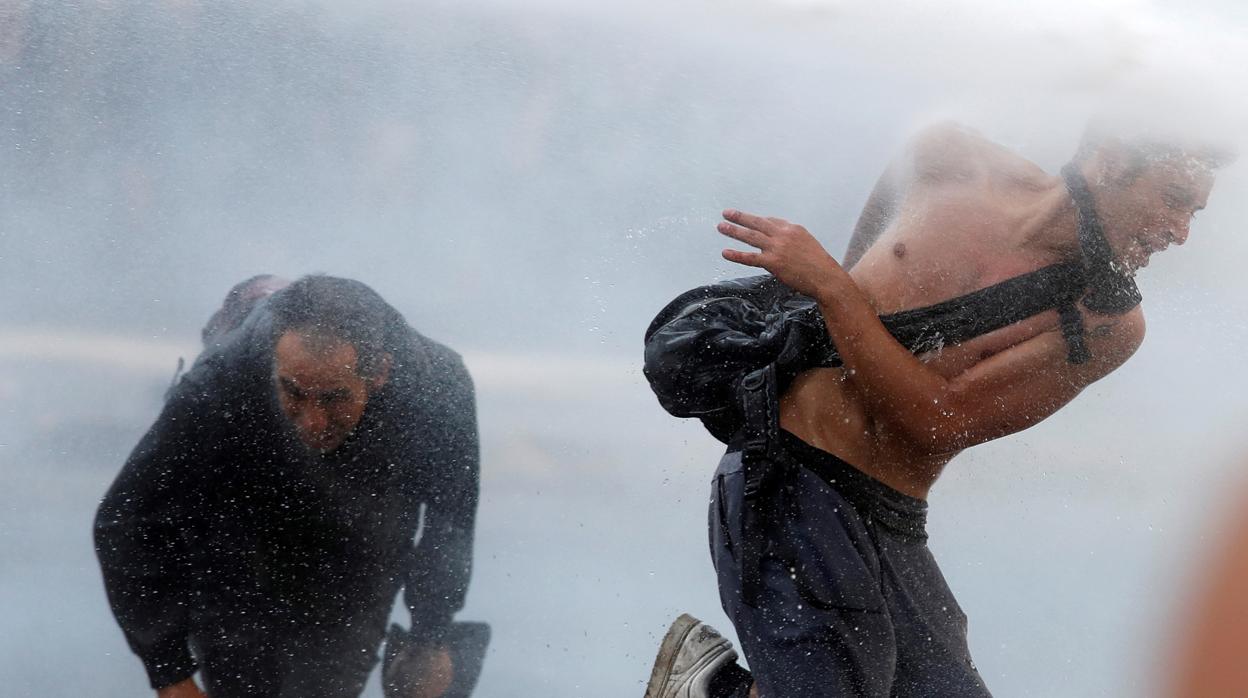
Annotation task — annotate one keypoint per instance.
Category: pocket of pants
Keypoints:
(725, 511)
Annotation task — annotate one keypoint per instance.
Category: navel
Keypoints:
(899, 250)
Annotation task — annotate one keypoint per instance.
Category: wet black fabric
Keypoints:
(222, 522)
(852, 601)
(287, 658)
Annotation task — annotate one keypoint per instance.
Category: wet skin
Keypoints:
(320, 389)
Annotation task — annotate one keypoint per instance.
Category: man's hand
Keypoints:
(786, 249)
(419, 671)
(187, 688)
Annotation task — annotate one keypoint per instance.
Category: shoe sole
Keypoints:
(668, 649)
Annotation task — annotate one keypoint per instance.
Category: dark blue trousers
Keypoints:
(852, 602)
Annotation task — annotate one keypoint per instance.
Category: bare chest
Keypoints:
(938, 251)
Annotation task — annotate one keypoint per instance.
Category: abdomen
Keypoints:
(823, 408)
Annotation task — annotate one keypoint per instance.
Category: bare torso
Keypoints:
(962, 222)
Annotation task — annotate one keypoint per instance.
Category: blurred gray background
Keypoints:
(530, 182)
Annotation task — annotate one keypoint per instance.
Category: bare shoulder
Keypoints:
(945, 150)
(944, 138)
(949, 150)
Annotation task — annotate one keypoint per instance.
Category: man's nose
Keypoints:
(1179, 233)
(313, 420)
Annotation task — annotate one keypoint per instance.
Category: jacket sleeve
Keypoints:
(700, 347)
(441, 564)
(140, 529)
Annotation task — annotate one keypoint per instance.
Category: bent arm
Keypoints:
(140, 530)
(441, 566)
(1001, 395)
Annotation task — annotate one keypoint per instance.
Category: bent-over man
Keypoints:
(319, 455)
(979, 295)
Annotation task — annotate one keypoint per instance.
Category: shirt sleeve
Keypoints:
(141, 528)
(440, 567)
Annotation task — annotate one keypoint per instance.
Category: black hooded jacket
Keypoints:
(221, 517)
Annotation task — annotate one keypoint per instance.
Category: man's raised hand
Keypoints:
(785, 249)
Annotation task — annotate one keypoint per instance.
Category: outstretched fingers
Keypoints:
(750, 259)
(752, 230)
(749, 220)
(746, 235)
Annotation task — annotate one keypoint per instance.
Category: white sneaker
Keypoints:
(689, 656)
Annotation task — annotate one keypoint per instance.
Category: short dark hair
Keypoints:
(344, 309)
(1144, 148)
(241, 299)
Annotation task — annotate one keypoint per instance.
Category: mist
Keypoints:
(529, 183)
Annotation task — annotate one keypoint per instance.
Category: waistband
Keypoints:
(894, 510)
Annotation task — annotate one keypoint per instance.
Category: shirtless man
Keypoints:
(822, 562)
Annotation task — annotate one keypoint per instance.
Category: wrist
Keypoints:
(836, 291)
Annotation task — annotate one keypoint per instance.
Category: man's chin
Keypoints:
(1129, 266)
(321, 447)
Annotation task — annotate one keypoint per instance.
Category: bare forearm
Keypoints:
(1001, 395)
(898, 387)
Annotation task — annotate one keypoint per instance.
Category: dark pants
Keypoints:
(275, 658)
(852, 602)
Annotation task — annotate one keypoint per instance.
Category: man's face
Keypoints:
(319, 389)
(1153, 210)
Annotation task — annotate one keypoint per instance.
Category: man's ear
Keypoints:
(384, 364)
(1113, 162)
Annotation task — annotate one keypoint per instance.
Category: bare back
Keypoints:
(961, 219)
